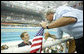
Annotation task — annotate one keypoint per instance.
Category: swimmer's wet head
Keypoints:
(47, 34)
(25, 37)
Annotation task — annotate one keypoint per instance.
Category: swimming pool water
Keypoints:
(13, 34)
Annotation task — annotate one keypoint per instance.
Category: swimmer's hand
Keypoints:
(43, 24)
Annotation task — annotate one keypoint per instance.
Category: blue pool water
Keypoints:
(13, 34)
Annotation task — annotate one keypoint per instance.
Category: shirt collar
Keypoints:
(54, 17)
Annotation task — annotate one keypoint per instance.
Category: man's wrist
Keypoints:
(47, 27)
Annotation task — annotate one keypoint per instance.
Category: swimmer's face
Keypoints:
(49, 17)
(26, 36)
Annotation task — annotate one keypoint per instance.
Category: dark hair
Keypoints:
(22, 35)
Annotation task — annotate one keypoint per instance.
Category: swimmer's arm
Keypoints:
(62, 22)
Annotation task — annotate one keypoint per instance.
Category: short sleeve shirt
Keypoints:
(75, 29)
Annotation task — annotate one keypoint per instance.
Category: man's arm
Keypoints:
(62, 22)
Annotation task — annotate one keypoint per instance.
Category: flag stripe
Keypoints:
(37, 39)
(36, 44)
(35, 47)
(33, 51)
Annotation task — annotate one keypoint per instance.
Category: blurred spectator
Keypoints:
(3, 47)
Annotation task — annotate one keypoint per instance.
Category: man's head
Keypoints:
(46, 35)
(49, 15)
(24, 36)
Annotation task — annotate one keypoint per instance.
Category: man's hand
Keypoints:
(43, 24)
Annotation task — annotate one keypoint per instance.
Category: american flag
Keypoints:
(37, 42)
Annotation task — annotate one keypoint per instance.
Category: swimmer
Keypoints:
(47, 34)
(25, 37)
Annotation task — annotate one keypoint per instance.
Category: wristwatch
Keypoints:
(47, 27)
